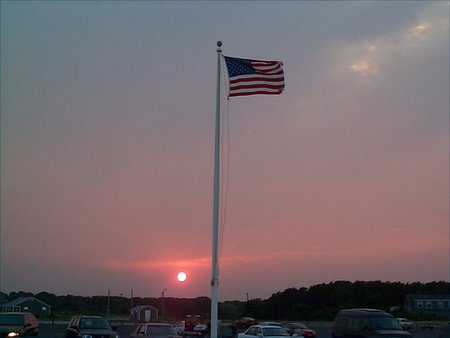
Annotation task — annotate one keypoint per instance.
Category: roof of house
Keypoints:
(20, 300)
(142, 307)
(429, 297)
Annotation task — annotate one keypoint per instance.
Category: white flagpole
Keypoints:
(215, 231)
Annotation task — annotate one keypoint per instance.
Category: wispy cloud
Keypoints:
(158, 264)
(277, 257)
(372, 58)
(419, 30)
(201, 262)
(366, 68)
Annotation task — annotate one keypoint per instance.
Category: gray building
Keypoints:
(27, 304)
(433, 304)
(144, 313)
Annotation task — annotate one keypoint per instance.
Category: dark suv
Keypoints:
(361, 323)
(90, 326)
(18, 324)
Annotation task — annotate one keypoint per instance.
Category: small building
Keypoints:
(144, 313)
(27, 304)
(432, 304)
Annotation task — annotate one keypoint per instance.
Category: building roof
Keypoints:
(20, 300)
(142, 307)
(429, 297)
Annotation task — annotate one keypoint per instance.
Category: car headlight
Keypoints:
(13, 334)
(86, 336)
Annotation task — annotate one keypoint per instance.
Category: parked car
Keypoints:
(405, 323)
(366, 323)
(191, 326)
(262, 331)
(271, 324)
(195, 326)
(201, 329)
(90, 326)
(445, 331)
(300, 329)
(18, 324)
(244, 322)
(154, 330)
(427, 326)
(179, 327)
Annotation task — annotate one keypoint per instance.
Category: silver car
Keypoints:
(154, 330)
(263, 331)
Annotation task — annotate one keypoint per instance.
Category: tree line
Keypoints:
(318, 302)
(323, 301)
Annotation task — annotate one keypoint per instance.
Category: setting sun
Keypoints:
(181, 276)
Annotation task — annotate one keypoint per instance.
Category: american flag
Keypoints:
(250, 77)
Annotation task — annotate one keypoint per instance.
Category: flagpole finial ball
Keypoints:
(219, 43)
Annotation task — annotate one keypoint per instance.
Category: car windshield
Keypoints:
(95, 323)
(385, 324)
(11, 319)
(160, 330)
(274, 331)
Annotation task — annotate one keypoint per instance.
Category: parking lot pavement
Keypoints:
(58, 330)
(323, 330)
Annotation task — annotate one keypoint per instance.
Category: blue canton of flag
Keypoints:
(250, 77)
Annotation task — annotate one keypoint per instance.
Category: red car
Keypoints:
(301, 330)
(244, 322)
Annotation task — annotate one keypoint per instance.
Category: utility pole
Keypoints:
(107, 306)
(162, 304)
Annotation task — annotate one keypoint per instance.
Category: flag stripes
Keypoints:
(251, 77)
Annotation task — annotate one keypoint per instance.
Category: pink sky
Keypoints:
(107, 136)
